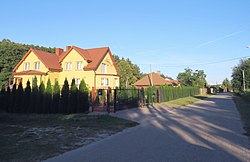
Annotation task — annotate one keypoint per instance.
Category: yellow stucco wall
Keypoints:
(72, 57)
(31, 58)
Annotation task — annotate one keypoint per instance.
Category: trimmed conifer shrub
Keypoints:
(83, 99)
(72, 107)
(47, 98)
(56, 98)
(19, 99)
(64, 100)
(34, 95)
(27, 98)
(40, 98)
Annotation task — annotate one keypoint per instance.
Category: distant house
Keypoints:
(154, 79)
(96, 66)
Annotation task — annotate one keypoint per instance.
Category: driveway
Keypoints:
(209, 130)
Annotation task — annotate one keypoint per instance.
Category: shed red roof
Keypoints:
(156, 80)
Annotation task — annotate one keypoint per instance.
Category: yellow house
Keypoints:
(96, 66)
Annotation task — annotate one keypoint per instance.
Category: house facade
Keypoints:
(96, 66)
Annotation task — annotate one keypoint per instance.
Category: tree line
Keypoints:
(241, 75)
(45, 99)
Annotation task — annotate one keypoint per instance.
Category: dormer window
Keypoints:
(26, 66)
(37, 65)
(79, 65)
(68, 66)
(104, 68)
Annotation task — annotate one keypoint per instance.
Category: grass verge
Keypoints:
(243, 105)
(186, 100)
(38, 137)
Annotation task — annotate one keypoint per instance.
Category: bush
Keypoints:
(64, 100)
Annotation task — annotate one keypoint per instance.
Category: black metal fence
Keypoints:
(112, 100)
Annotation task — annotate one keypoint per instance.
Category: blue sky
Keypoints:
(170, 35)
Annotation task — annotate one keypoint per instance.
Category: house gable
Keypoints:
(107, 60)
(30, 57)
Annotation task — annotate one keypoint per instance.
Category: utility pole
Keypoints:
(243, 77)
(151, 79)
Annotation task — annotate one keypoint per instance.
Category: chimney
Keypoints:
(59, 51)
(68, 47)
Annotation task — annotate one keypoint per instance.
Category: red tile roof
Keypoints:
(50, 60)
(30, 72)
(93, 56)
(156, 80)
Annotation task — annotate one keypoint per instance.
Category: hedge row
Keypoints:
(167, 93)
(45, 100)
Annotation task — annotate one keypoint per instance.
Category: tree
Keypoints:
(56, 97)
(47, 98)
(82, 98)
(194, 79)
(64, 101)
(73, 97)
(40, 98)
(227, 85)
(19, 99)
(185, 78)
(27, 97)
(237, 75)
(34, 96)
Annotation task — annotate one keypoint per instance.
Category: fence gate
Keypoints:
(112, 100)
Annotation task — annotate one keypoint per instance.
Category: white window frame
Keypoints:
(26, 66)
(104, 68)
(105, 81)
(37, 65)
(78, 81)
(68, 66)
(116, 82)
(79, 65)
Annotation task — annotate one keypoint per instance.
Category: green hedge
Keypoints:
(167, 93)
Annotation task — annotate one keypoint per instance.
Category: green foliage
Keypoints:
(226, 85)
(193, 79)
(56, 98)
(73, 97)
(34, 96)
(47, 97)
(168, 93)
(19, 99)
(82, 97)
(129, 72)
(27, 97)
(64, 102)
(40, 98)
(10, 54)
(237, 75)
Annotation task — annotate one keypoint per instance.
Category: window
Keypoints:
(105, 82)
(78, 81)
(26, 66)
(68, 66)
(37, 65)
(104, 68)
(79, 65)
(116, 83)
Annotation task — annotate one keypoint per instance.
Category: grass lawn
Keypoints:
(186, 100)
(37, 137)
(243, 105)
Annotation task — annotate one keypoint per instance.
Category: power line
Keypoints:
(190, 65)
